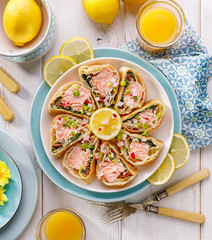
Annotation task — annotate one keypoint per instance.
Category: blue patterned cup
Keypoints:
(38, 46)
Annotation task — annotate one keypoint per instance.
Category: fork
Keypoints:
(121, 213)
(116, 213)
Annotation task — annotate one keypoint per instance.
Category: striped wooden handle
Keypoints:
(188, 216)
(196, 177)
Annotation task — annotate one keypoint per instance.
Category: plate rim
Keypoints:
(21, 193)
(36, 188)
(66, 76)
(177, 128)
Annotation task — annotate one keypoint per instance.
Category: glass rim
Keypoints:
(73, 212)
(179, 10)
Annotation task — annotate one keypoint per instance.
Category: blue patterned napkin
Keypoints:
(188, 67)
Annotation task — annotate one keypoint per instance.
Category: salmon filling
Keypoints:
(110, 170)
(75, 102)
(78, 158)
(103, 82)
(147, 116)
(133, 94)
(139, 150)
(63, 131)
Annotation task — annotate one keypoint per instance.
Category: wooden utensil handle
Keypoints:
(188, 216)
(8, 82)
(196, 177)
(5, 111)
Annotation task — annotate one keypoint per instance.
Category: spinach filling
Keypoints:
(153, 107)
(149, 142)
(91, 147)
(60, 145)
(125, 87)
(129, 76)
(59, 105)
(87, 79)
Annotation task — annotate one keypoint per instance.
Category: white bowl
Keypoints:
(28, 53)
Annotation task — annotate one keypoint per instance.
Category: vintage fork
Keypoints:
(121, 213)
(115, 209)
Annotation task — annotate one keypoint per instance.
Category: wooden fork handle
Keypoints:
(188, 216)
(196, 177)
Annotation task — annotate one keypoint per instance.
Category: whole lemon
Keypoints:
(101, 11)
(22, 20)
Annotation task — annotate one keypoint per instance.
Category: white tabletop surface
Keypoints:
(72, 21)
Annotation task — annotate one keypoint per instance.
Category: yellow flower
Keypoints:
(4, 174)
(3, 197)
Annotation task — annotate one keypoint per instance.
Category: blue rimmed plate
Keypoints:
(20, 220)
(13, 190)
(42, 158)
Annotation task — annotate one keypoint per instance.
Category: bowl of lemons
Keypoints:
(27, 29)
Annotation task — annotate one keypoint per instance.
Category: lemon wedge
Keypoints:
(164, 172)
(105, 123)
(55, 67)
(77, 48)
(179, 150)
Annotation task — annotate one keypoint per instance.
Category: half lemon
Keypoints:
(55, 67)
(164, 172)
(77, 48)
(179, 150)
(105, 123)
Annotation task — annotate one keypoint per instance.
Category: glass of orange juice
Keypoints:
(160, 23)
(61, 224)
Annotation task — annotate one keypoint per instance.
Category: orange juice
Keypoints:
(158, 25)
(63, 226)
(134, 2)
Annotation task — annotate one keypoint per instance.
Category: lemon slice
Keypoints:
(55, 67)
(179, 150)
(105, 123)
(77, 48)
(164, 172)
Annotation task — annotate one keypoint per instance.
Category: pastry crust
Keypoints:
(155, 106)
(124, 75)
(155, 147)
(120, 180)
(53, 107)
(87, 173)
(82, 131)
(87, 72)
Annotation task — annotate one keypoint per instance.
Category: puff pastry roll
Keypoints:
(112, 169)
(146, 118)
(65, 131)
(139, 150)
(79, 159)
(103, 81)
(132, 91)
(74, 98)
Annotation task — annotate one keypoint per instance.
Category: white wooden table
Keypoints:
(72, 21)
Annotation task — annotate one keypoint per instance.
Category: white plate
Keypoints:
(164, 132)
